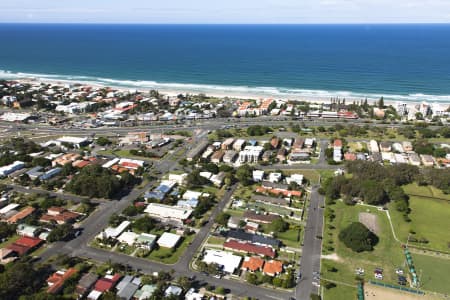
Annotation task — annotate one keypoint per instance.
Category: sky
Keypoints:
(225, 11)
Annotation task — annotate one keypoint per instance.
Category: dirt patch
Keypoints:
(372, 292)
(332, 256)
(370, 221)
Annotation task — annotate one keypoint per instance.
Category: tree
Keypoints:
(144, 224)
(278, 225)
(252, 278)
(60, 233)
(222, 218)
(103, 141)
(244, 174)
(358, 237)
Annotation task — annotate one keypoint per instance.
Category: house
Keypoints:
(217, 179)
(233, 222)
(25, 245)
(281, 154)
(260, 218)
(168, 240)
(350, 156)
(106, 283)
(238, 145)
(427, 160)
(275, 177)
(273, 268)
(373, 146)
(161, 191)
(385, 146)
(258, 175)
(257, 239)
(173, 290)
(7, 256)
(127, 287)
(145, 292)
(127, 237)
(407, 146)
(85, 284)
(180, 179)
(162, 211)
(267, 155)
(191, 294)
(228, 262)
(24, 213)
(226, 145)
(414, 159)
(114, 232)
(27, 230)
(397, 147)
(297, 178)
(145, 241)
(229, 157)
(299, 157)
(270, 200)
(248, 248)
(56, 280)
(59, 215)
(252, 264)
(337, 150)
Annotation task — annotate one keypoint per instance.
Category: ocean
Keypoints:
(399, 62)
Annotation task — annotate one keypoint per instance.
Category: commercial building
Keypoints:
(8, 169)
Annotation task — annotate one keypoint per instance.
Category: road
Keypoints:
(312, 249)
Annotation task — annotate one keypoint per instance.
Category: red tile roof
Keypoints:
(253, 264)
(337, 143)
(249, 248)
(56, 280)
(24, 244)
(273, 267)
(21, 214)
(106, 284)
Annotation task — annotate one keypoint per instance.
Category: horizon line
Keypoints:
(230, 24)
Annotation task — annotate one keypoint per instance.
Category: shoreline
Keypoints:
(234, 92)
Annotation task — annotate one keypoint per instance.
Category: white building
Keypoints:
(227, 260)
(250, 154)
(163, 211)
(180, 179)
(297, 178)
(168, 240)
(114, 232)
(128, 237)
(258, 175)
(373, 146)
(275, 177)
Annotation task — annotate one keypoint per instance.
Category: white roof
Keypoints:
(191, 195)
(13, 117)
(207, 175)
(168, 240)
(114, 232)
(8, 208)
(71, 140)
(94, 295)
(167, 211)
(127, 237)
(110, 163)
(229, 261)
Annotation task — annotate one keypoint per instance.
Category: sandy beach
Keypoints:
(216, 93)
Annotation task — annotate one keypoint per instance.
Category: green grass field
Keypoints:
(340, 292)
(430, 218)
(425, 191)
(433, 272)
(387, 253)
(166, 256)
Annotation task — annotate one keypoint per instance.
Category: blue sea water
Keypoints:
(402, 62)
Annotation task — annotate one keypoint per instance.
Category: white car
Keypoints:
(379, 276)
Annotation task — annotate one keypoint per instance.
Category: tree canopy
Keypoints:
(358, 237)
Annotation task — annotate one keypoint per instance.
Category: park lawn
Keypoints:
(387, 254)
(340, 292)
(430, 219)
(166, 256)
(414, 189)
(433, 273)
